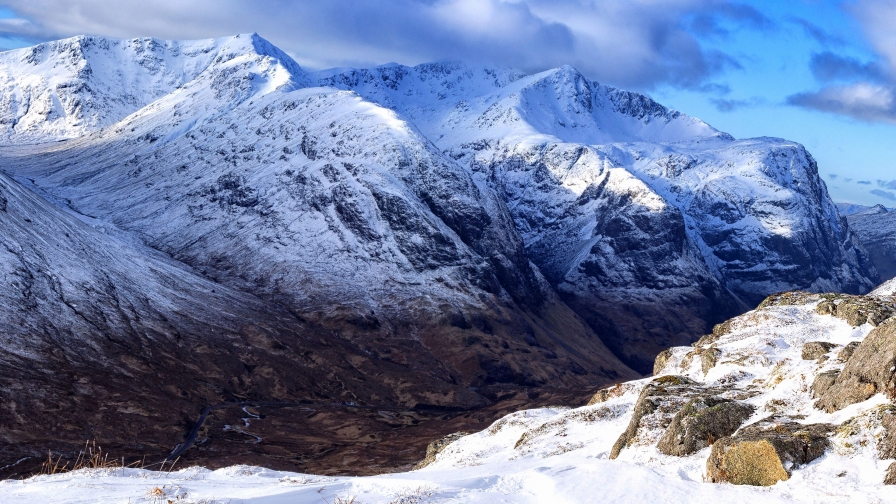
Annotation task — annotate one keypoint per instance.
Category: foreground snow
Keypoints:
(561, 454)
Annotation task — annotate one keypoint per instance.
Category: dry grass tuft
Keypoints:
(91, 457)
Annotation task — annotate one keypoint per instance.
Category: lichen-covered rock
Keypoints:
(606, 393)
(700, 423)
(434, 448)
(788, 299)
(661, 360)
(870, 370)
(764, 454)
(822, 382)
(662, 398)
(847, 351)
(815, 349)
(826, 307)
(709, 358)
(858, 310)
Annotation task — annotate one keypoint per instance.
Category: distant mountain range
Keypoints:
(429, 237)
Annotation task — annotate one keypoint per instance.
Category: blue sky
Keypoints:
(819, 72)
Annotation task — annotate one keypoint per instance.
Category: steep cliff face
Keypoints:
(876, 228)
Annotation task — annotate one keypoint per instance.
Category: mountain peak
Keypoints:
(74, 86)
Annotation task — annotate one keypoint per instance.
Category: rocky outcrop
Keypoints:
(870, 370)
(815, 349)
(856, 310)
(434, 448)
(890, 476)
(766, 453)
(700, 422)
(681, 415)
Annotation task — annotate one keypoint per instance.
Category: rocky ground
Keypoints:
(791, 402)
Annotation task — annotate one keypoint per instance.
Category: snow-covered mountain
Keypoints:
(477, 232)
(622, 202)
(71, 87)
(876, 227)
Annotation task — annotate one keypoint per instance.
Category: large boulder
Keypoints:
(870, 370)
(702, 420)
(766, 453)
(662, 358)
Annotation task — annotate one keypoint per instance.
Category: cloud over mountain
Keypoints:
(633, 44)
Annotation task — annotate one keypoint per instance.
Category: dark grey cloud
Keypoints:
(833, 176)
(730, 105)
(816, 32)
(887, 184)
(631, 44)
(884, 194)
(864, 182)
(714, 22)
(827, 66)
(861, 90)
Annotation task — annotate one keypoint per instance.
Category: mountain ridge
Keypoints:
(489, 231)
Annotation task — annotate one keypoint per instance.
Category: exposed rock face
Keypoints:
(823, 382)
(890, 477)
(700, 422)
(815, 349)
(660, 362)
(847, 351)
(764, 454)
(709, 358)
(437, 446)
(876, 227)
(659, 401)
(871, 369)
